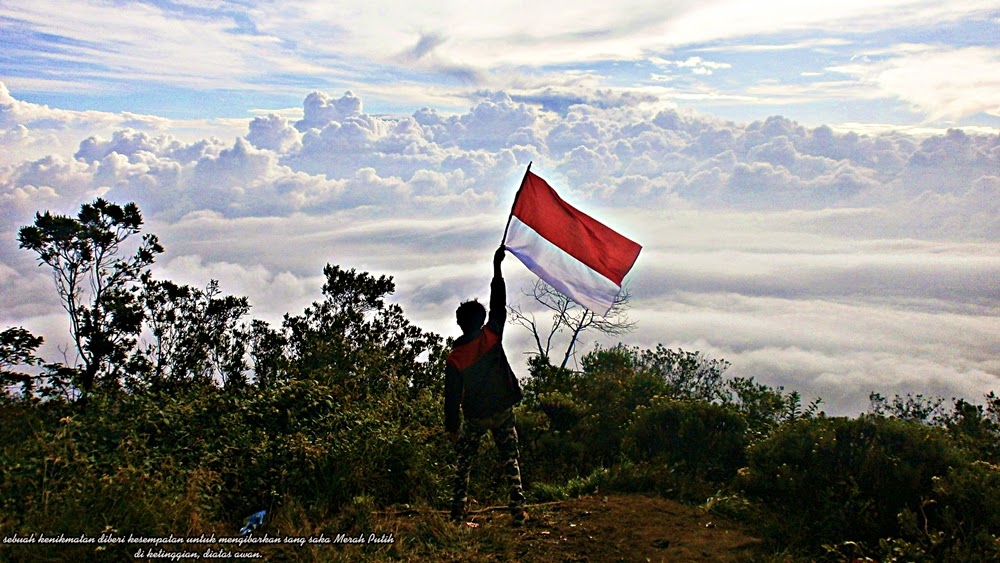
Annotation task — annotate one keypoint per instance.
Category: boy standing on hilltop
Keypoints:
(478, 378)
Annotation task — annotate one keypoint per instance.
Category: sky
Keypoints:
(816, 185)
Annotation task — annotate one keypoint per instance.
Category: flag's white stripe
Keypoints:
(569, 276)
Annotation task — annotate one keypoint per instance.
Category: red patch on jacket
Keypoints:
(467, 354)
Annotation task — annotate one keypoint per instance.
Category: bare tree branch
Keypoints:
(516, 316)
(570, 317)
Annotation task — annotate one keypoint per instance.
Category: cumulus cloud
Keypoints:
(130, 143)
(321, 110)
(273, 132)
(30, 130)
(337, 156)
(831, 262)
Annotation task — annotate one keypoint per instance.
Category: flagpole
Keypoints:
(517, 195)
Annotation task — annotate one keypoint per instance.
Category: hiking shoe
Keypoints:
(518, 518)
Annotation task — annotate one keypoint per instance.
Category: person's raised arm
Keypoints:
(498, 293)
(498, 257)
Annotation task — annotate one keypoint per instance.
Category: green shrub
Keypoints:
(832, 480)
(704, 439)
(77, 476)
(563, 411)
(960, 520)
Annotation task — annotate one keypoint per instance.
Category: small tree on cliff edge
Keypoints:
(97, 284)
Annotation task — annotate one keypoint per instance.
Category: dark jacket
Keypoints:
(477, 374)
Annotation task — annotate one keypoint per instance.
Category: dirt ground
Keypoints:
(622, 528)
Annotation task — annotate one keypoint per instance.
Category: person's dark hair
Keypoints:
(470, 315)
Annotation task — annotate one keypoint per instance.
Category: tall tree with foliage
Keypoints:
(17, 348)
(97, 282)
(355, 338)
(266, 351)
(196, 334)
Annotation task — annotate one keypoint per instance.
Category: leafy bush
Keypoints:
(836, 479)
(79, 476)
(960, 521)
(587, 412)
(701, 438)
(957, 521)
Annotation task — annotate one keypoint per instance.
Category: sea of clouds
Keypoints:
(823, 260)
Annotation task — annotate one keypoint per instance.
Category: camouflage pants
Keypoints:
(505, 437)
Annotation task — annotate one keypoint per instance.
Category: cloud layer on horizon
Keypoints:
(829, 262)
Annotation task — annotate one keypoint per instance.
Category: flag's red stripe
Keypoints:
(575, 232)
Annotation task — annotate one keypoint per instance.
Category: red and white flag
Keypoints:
(580, 257)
